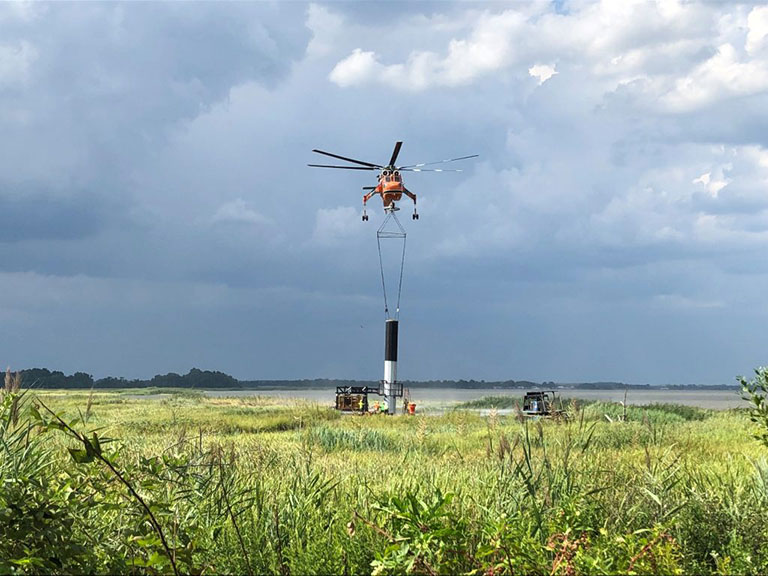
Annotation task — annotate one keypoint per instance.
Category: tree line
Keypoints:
(215, 380)
(204, 379)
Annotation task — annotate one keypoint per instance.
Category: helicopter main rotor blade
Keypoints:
(395, 152)
(342, 167)
(438, 162)
(348, 159)
(429, 170)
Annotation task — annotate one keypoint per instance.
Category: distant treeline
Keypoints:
(214, 380)
(204, 379)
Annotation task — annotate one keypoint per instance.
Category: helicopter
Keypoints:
(390, 187)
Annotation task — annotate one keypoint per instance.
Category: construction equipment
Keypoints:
(543, 403)
(353, 398)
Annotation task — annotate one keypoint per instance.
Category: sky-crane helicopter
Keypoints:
(390, 187)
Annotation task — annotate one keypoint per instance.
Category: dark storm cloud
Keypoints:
(612, 226)
(96, 88)
(39, 217)
(103, 83)
(155, 49)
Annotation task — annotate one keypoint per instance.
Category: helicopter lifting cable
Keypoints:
(386, 234)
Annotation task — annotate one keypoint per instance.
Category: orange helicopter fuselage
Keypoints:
(390, 188)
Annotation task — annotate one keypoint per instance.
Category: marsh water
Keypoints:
(714, 399)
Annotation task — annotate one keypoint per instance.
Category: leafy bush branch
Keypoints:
(91, 450)
(755, 391)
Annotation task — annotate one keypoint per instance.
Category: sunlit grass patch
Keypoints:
(336, 439)
(655, 413)
(502, 401)
(268, 485)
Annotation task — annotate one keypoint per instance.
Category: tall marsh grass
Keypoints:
(258, 488)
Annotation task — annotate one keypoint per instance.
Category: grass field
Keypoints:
(255, 485)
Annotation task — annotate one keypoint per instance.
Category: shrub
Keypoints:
(756, 392)
(38, 532)
(425, 536)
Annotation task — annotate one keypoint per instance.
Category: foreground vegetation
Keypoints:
(111, 483)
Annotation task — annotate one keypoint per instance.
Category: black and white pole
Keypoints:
(390, 365)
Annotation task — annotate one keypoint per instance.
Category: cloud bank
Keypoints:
(158, 213)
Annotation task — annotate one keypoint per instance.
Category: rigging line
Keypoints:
(400, 286)
(383, 284)
(383, 234)
(381, 263)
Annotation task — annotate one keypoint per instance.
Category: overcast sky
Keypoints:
(158, 213)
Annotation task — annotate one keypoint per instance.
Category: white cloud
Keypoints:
(711, 185)
(325, 26)
(757, 23)
(731, 213)
(723, 75)
(566, 200)
(676, 56)
(703, 179)
(542, 72)
(488, 48)
(334, 225)
(239, 211)
(357, 68)
(715, 186)
(756, 155)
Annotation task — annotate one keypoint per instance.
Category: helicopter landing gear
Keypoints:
(415, 215)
